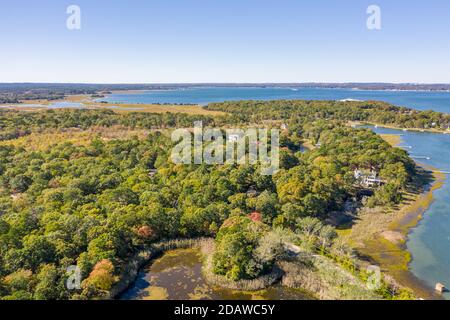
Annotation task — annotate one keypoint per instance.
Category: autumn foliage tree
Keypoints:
(100, 279)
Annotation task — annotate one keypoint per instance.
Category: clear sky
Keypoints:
(158, 41)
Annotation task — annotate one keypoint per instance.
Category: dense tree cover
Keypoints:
(237, 246)
(297, 113)
(17, 92)
(97, 205)
(307, 111)
(361, 149)
(14, 124)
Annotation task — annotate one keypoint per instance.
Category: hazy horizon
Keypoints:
(233, 83)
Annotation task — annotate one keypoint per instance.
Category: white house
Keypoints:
(368, 179)
(373, 181)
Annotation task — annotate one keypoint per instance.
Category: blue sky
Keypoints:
(148, 41)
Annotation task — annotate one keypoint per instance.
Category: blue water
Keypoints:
(438, 101)
(429, 242)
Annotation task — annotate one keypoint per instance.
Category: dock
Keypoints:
(421, 157)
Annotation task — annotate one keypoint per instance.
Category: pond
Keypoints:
(177, 275)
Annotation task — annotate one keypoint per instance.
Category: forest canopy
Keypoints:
(96, 205)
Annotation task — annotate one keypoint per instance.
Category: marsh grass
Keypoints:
(324, 278)
(41, 141)
(88, 102)
(130, 271)
(368, 234)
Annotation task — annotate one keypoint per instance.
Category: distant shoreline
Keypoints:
(274, 86)
(387, 126)
(90, 88)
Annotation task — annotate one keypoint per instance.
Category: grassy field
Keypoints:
(121, 107)
(156, 108)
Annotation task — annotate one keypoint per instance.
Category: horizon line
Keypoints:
(234, 83)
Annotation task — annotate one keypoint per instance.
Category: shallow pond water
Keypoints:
(177, 275)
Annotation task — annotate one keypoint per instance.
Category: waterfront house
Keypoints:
(368, 179)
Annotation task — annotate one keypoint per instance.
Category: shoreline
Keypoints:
(387, 126)
(307, 272)
(387, 245)
(390, 253)
(145, 257)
